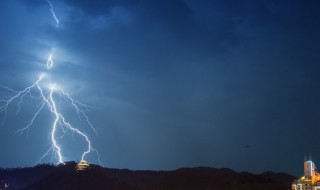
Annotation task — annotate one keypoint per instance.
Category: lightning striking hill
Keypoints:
(47, 91)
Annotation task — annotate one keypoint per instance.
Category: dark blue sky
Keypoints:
(175, 82)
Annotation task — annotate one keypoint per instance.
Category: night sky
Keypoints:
(173, 83)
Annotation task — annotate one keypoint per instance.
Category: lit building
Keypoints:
(4, 185)
(82, 165)
(310, 180)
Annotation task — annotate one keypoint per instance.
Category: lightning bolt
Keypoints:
(53, 14)
(47, 100)
(47, 97)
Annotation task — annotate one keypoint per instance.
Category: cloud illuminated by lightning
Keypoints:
(47, 100)
(49, 62)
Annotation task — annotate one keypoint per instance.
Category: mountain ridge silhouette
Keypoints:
(65, 177)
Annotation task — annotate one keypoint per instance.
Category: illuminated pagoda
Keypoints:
(310, 180)
(82, 166)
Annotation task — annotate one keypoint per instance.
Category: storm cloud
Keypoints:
(176, 82)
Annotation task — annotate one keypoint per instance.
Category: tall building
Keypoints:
(310, 180)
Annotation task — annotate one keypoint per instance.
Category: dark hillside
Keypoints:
(65, 177)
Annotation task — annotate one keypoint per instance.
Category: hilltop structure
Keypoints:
(82, 166)
(310, 180)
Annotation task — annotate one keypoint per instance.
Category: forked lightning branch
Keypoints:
(48, 102)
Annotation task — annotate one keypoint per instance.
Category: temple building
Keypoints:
(310, 180)
(82, 166)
